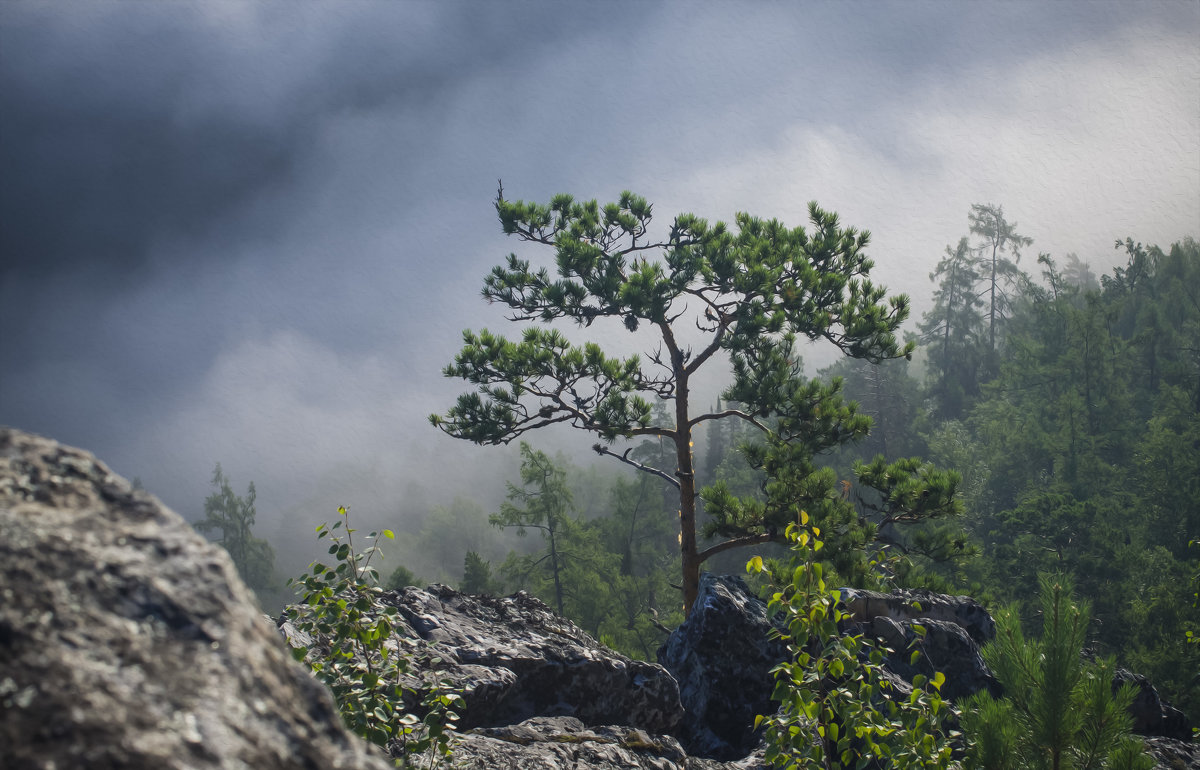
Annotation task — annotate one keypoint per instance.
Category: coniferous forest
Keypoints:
(292, 266)
(1052, 415)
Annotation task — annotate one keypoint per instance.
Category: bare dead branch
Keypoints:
(600, 449)
(737, 542)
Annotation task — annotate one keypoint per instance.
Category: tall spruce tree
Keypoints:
(998, 273)
(233, 517)
(542, 502)
(952, 328)
(705, 291)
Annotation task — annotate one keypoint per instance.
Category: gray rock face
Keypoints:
(565, 742)
(127, 640)
(945, 647)
(1152, 715)
(1172, 754)
(912, 604)
(956, 628)
(515, 659)
(722, 658)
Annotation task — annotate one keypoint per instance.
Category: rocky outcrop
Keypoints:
(540, 692)
(955, 628)
(127, 640)
(565, 742)
(944, 647)
(722, 656)
(514, 659)
(1151, 715)
(1172, 754)
(907, 605)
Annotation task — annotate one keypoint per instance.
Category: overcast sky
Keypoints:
(253, 233)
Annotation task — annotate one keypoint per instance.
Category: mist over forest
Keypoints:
(253, 234)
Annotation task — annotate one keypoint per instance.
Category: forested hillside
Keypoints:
(1078, 436)
(1068, 402)
(1037, 434)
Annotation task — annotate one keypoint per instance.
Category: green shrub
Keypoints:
(342, 609)
(837, 709)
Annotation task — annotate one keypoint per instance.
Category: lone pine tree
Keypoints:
(707, 291)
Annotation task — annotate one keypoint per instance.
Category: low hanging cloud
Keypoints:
(252, 233)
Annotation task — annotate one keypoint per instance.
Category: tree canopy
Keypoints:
(746, 291)
(233, 516)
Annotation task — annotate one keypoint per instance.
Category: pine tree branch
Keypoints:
(730, 413)
(737, 542)
(600, 449)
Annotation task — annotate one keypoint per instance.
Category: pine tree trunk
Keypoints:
(558, 591)
(689, 553)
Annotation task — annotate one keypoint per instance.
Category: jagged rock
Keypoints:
(127, 640)
(515, 659)
(945, 647)
(914, 604)
(722, 658)
(1152, 715)
(565, 742)
(1172, 754)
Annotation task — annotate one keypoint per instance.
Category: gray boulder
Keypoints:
(908, 604)
(127, 640)
(553, 743)
(1151, 714)
(722, 657)
(1173, 754)
(955, 629)
(945, 647)
(514, 659)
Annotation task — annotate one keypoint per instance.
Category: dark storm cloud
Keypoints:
(155, 163)
(253, 232)
(132, 124)
(180, 186)
(98, 161)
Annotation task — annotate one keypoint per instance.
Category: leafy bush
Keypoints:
(359, 656)
(837, 709)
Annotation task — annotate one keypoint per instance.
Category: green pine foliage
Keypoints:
(477, 575)
(747, 292)
(543, 502)
(401, 577)
(1085, 450)
(951, 331)
(998, 275)
(232, 517)
(608, 575)
(1058, 711)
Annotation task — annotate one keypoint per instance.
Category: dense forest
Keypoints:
(1063, 406)
(1071, 408)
